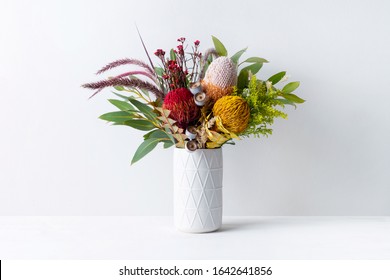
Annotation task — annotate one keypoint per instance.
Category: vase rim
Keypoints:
(198, 149)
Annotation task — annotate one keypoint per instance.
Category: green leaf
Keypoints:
(219, 47)
(146, 147)
(144, 92)
(277, 77)
(243, 77)
(120, 95)
(140, 124)
(118, 117)
(159, 71)
(169, 133)
(168, 144)
(119, 88)
(255, 60)
(292, 97)
(254, 68)
(242, 80)
(290, 87)
(236, 57)
(145, 109)
(121, 105)
(172, 55)
(157, 133)
(286, 102)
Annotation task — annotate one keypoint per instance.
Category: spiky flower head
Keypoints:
(182, 106)
(220, 78)
(234, 113)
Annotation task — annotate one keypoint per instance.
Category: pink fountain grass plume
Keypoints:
(135, 83)
(146, 74)
(126, 61)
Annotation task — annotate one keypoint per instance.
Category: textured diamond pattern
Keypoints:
(198, 189)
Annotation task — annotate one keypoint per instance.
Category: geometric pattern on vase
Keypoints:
(198, 179)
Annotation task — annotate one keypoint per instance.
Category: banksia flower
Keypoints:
(182, 106)
(220, 78)
(234, 113)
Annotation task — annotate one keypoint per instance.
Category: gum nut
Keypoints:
(195, 88)
(192, 129)
(200, 98)
(191, 132)
(191, 146)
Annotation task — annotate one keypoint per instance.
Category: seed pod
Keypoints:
(191, 145)
(191, 132)
(195, 88)
(200, 98)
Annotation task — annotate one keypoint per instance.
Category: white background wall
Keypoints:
(331, 157)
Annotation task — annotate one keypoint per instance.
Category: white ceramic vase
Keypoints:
(198, 190)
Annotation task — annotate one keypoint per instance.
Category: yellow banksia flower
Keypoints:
(234, 113)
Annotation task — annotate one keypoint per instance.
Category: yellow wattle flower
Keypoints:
(234, 113)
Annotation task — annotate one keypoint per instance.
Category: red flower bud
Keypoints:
(159, 52)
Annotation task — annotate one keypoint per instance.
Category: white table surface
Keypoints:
(121, 237)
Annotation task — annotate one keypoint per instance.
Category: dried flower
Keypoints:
(220, 78)
(234, 113)
(191, 145)
(126, 61)
(180, 49)
(160, 53)
(268, 84)
(182, 106)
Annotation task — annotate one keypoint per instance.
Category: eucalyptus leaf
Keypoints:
(146, 147)
(140, 124)
(242, 80)
(168, 144)
(147, 135)
(254, 68)
(121, 105)
(158, 133)
(290, 87)
(236, 57)
(255, 60)
(169, 133)
(172, 54)
(286, 102)
(118, 117)
(119, 88)
(219, 47)
(145, 109)
(159, 71)
(277, 77)
(121, 96)
(292, 97)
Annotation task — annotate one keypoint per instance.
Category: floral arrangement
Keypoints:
(195, 100)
